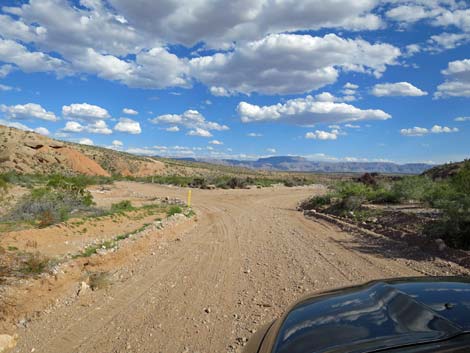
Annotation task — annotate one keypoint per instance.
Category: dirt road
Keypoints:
(248, 256)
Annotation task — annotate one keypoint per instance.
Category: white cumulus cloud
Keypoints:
(321, 135)
(15, 124)
(85, 141)
(190, 119)
(27, 111)
(220, 23)
(84, 111)
(28, 61)
(219, 91)
(130, 111)
(397, 89)
(290, 63)
(128, 126)
(458, 82)
(95, 127)
(42, 130)
(421, 131)
(216, 142)
(73, 126)
(199, 132)
(414, 131)
(99, 127)
(117, 144)
(308, 111)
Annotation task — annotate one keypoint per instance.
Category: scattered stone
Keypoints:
(242, 340)
(83, 289)
(22, 323)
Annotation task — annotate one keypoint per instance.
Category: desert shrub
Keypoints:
(296, 181)
(122, 206)
(54, 180)
(346, 189)
(454, 202)
(34, 263)
(75, 185)
(174, 210)
(382, 193)
(262, 182)
(46, 218)
(349, 196)
(351, 203)
(26, 180)
(198, 183)
(289, 183)
(315, 202)
(376, 193)
(412, 188)
(99, 280)
(3, 183)
(49, 205)
(176, 180)
(236, 183)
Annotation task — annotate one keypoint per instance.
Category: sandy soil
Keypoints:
(249, 255)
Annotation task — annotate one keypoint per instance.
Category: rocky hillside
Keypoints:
(29, 152)
(122, 163)
(445, 170)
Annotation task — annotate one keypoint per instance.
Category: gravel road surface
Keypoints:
(248, 256)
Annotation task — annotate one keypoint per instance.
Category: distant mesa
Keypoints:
(301, 164)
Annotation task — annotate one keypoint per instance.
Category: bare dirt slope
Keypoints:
(29, 152)
(249, 255)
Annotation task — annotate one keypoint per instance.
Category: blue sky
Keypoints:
(332, 80)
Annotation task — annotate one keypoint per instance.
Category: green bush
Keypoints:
(346, 189)
(122, 206)
(315, 202)
(198, 183)
(289, 183)
(3, 183)
(32, 180)
(412, 188)
(351, 203)
(174, 210)
(454, 202)
(34, 263)
(49, 205)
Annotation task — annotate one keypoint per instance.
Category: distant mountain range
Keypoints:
(301, 164)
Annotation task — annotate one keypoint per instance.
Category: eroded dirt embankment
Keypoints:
(207, 287)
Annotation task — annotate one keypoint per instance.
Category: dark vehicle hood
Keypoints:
(376, 316)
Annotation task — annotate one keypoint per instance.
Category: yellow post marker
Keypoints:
(189, 198)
